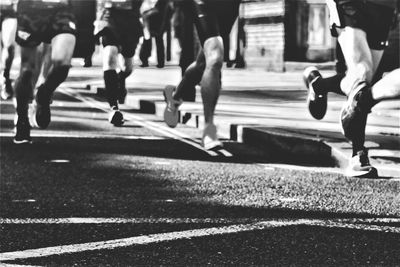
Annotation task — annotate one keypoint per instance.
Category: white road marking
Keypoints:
(24, 200)
(86, 136)
(142, 122)
(81, 220)
(301, 168)
(188, 234)
(58, 161)
(119, 220)
(17, 265)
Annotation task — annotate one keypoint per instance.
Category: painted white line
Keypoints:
(52, 134)
(119, 220)
(142, 122)
(80, 220)
(225, 153)
(187, 234)
(301, 168)
(58, 161)
(141, 240)
(17, 265)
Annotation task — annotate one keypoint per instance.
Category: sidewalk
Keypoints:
(268, 110)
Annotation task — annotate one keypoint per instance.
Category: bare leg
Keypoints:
(388, 87)
(7, 55)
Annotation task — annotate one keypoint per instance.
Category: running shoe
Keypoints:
(359, 166)
(171, 112)
(353, 116)
(22, 132)
(115, 117)
(317, 102)
(41, 110)
(121, 89)
(6, 90)
(210, 139)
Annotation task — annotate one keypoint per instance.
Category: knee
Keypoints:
(214, 57)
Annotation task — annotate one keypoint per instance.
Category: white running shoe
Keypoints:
(210, 139)
(171, 112)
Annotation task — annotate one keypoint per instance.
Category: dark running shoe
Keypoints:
(41, 115)
(353, 116)
(6, 90)
(359, 166)
(115, 117)
(317, 103)
(122, 92)
(22, 132)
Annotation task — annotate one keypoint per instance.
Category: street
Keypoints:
(86, 193)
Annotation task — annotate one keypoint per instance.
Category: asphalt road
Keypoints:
(86, 193)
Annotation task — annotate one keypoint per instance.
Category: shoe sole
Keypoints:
(170, 118)
(318, 101)
(362, 174)
(21, 142)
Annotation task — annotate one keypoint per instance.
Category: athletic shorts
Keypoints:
(123, 30)
(42, 25)
(214, 17)
(374, 19)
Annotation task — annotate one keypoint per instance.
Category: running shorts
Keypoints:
(214, 17)
(41, 20)
(374, 19)
(123, 28)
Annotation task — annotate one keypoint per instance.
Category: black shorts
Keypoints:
(123, 30)
(374, 19)
(36, 26)
(214, 17)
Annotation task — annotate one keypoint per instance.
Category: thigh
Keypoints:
(62, 48)
(9, 30)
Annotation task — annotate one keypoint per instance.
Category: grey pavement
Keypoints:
(267, 110)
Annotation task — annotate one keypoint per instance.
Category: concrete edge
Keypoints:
(292, 147)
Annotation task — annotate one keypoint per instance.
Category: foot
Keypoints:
(22, 132)
(353, 116)
(210, 139)
(359, 166)
(88, 62)
(171, 112)
(144, 65)
(41, 114)
(122, 89)
(160, 66)
(317, 102)
(6, 90)
(115, 117)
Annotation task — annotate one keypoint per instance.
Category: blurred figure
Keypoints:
(156, 16)
(85, 14)
(8, 28)
(119, 29)
(362, 28)
(41, 21)
(213, 19)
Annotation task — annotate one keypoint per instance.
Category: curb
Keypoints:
(290, 145)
